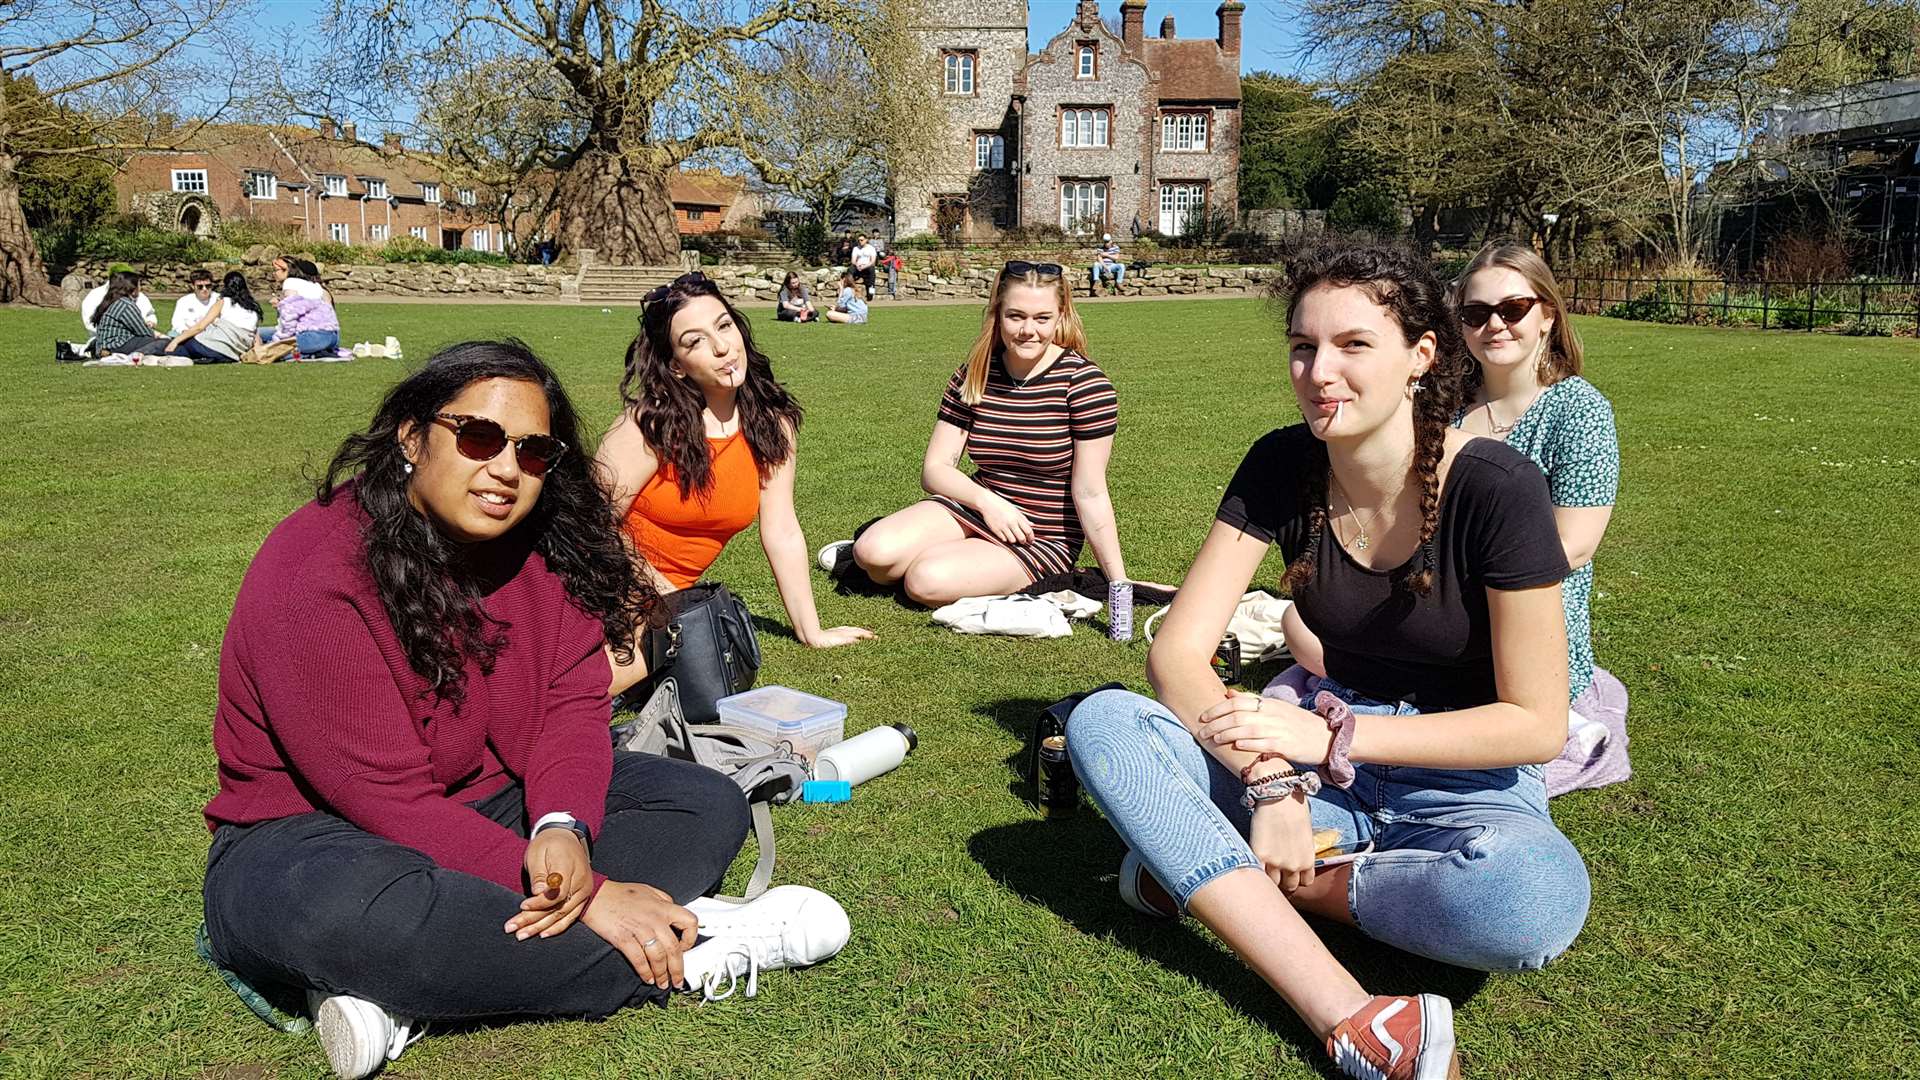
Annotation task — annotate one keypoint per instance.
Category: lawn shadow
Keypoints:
(1068, 866)
(1016, 715)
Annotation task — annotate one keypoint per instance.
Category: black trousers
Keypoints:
(866, 279)
(313, 901)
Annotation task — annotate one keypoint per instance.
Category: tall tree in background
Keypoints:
(80, 80)
(647, 84)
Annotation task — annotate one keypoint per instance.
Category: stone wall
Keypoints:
(922, 281)
(382, 279)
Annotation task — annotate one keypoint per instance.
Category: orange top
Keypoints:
(682, 537)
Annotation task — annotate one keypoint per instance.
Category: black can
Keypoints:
(1226, 659)
(1059, 789)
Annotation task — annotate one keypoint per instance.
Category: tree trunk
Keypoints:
(621, 211)
(22, 275)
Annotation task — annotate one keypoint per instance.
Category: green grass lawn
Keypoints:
(1755, 885)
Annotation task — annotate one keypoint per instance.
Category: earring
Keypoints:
(1414, 387)
(409, 468)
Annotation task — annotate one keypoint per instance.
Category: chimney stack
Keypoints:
(1132, 14)
(392, 142)
(351, 134)
(1089, 14)
(325, 124)
(1229, 13)
(1166, 28)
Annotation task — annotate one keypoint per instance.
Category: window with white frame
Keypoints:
(1083, 205)
(336, 185)
(481, 241)
(190, 180)
(337, 232)
(1180, 207)
(959, 71)
(466, 196)
(262, 185)
(1088, 62)
(418, 232)
(989, 151)
(1183, 131)
(430, 193)
(376, 189)
(378, 233)
(1084, 127)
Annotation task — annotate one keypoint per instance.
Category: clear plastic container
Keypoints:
(810, 723)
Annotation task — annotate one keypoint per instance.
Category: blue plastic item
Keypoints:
(826, 791)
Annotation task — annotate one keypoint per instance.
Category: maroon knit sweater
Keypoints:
(319, 709)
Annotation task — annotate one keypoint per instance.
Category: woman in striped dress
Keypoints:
(1038, 419)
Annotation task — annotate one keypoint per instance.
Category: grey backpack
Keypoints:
(769, 772)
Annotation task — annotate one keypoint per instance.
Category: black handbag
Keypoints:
(707, 647)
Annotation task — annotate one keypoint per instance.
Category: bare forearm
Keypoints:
(948, 480)
(1186, 684)
(1495, 736)
(1095, 510)
(787, 555)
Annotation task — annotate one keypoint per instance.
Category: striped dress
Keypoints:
(1021, 438)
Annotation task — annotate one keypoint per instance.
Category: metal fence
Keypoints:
(1856, 307)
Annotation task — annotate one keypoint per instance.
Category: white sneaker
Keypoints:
(787, 926)
(1142, 892)
(359, 1036)
(836, 556)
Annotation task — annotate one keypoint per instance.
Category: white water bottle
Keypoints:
(866, 755)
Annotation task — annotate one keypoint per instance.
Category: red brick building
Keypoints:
(323, 184)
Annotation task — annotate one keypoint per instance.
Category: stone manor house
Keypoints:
(1097, 132)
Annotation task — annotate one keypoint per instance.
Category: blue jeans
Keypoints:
(1467, 867)
(1117, 272)
(309, 342)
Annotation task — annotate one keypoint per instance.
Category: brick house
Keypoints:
(322, 184)
(1096, 132)
(705, 200)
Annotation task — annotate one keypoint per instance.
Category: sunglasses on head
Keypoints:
(1021, 268)
(1510, 311)
(659, 293)
(482, 439)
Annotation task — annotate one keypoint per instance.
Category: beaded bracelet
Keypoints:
(1268, 755)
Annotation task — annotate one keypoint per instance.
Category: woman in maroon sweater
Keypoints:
(420, 812)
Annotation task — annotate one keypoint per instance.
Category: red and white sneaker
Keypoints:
(1397, 1038)
(1142, 892)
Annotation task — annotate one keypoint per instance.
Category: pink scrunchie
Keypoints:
(1339, 717)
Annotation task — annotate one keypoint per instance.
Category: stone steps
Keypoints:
(623, 284)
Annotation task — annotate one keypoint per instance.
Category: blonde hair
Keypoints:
(1067, 331)
(1562, 354)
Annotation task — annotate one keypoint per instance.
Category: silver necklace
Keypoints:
(1361, 542)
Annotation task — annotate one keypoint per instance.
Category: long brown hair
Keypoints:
(1562, 355)
(1404, 286)
(1067, 331)
(668, 409)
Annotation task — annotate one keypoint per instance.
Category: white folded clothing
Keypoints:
(1013, 616)
(1073, 604)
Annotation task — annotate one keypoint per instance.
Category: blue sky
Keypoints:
(1267, 30)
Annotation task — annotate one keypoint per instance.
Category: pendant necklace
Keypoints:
(1361, 542)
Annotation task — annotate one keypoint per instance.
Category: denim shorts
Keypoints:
(1467, 867)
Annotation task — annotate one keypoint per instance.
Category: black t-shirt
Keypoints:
(1496, 531)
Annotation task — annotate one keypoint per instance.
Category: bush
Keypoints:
(406, 249)
(1366, 208)
(1804, 258)
(808, 239)
(923, 242)
(135, 240)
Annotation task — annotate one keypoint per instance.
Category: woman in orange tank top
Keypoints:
(705, 445)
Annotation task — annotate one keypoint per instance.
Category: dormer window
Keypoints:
(466, 196)
(430, 193)
(376, 189)
(336, 185)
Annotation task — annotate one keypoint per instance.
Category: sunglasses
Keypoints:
(659, 293)
(1510, 311)
(198, 285)
(1020, 268)
(482, 439)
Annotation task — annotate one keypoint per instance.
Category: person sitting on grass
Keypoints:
(189, 308)
(225, 330)
(92, 304)
(307, 316)
(1427, 562)
(1038, 420)
(1528, 372)
(706, 444)
(120, 325)
(794, 303)
(420, 814)
(848, 307)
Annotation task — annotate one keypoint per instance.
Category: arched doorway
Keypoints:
(190, 219)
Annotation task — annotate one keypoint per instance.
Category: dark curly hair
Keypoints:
(1404, 286)
(434, 606)
(668, 408)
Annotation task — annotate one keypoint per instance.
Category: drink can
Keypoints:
(1120, 610)
(1059, 788)
(1226, 659)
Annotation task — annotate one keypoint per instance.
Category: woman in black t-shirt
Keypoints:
(1428, 564)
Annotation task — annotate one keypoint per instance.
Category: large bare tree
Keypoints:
(119, 78)
(635, 86)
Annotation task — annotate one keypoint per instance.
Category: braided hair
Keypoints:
(1404, 286)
